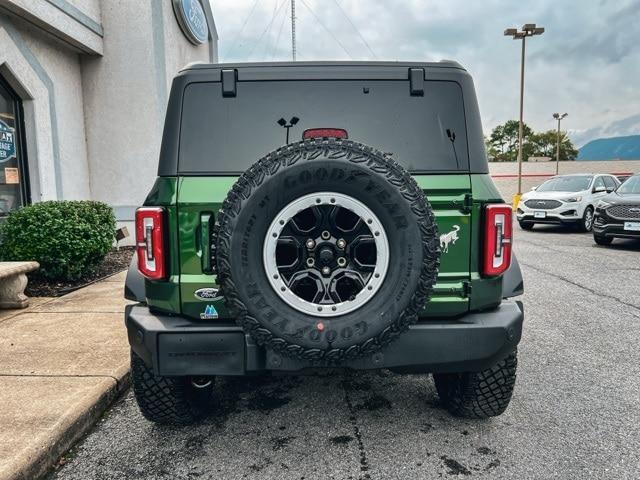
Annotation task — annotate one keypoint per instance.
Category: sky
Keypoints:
(587, 63)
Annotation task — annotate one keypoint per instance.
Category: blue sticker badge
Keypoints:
(210, 313)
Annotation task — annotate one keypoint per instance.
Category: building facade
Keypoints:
(83, 92)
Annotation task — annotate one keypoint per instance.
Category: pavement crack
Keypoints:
(583, 287)
(353, 419)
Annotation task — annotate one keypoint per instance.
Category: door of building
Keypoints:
(14, 178)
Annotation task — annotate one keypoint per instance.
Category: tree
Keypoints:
(546, 144)
(502, 144)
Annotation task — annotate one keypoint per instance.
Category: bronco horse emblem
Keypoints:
(450, 238)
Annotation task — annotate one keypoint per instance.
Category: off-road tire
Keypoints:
(479, 394)
(602, 240)
(287, 331)
(168, 400)
(528, 226)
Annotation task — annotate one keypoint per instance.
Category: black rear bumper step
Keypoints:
(176, 346)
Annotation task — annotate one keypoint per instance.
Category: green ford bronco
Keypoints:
(323, 215)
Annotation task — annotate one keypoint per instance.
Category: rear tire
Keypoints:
(601, 240)
(478, 394)
(168, 400)
(526, 225)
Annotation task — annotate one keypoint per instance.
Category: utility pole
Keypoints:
(528, 30)
(558, 117)
(293, 30)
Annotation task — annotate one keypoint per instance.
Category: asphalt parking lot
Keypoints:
(575, 413)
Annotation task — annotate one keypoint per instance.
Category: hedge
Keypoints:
(68, 238)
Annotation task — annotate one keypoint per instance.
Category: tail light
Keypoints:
(150, 242)
(324, 132)
(498, 236)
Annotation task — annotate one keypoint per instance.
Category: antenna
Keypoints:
(293, 30)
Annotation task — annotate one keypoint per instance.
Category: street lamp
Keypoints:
(528, 30)
(558, 117)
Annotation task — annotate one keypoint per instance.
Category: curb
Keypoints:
(38, 460)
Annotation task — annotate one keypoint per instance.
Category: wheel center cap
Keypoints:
(325, 255)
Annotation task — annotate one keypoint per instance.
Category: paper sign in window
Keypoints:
(11, 176)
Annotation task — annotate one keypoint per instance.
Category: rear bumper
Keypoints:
(176, 346)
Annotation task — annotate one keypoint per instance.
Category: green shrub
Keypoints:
(68, 238)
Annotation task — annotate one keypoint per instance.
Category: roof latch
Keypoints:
(229, 78)
(416, 82)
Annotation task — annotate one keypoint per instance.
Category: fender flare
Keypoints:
(512, 281)
(134, 288)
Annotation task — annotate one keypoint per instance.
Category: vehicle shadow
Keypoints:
(622, 244)
(562, 229)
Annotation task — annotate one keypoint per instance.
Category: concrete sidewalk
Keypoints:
(62, 362)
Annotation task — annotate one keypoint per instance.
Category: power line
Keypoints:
(326, 29)
(268, 27)
(273, 14)
(244, 24)
(275, 45)
(355, 28)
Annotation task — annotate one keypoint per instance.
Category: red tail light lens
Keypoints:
(498, 237)
(150, 242)
(324, 132)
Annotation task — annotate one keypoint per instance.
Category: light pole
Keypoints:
(528, 30)
(558, 117)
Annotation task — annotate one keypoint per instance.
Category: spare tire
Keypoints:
(326, 250)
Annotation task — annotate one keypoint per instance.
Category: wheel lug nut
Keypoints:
(341, 243)
(326, 270)
(310, 244)
(310, 262)
(325, 235)
(342, 261)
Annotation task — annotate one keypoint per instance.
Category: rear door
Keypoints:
(222, 136)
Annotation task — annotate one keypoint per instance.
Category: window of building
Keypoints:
(14, 191)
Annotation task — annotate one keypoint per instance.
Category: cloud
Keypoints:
(587, 62)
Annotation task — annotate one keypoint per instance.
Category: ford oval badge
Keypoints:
(207, 294)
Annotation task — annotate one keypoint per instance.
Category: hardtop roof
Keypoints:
(329, 64)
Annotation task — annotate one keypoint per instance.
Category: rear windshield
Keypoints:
(227, 135)
(566, 184)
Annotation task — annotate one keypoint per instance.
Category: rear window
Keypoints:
(227, 135)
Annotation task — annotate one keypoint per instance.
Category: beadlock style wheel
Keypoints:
(326, 254)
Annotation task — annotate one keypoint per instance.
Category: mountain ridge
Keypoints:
(612, 148)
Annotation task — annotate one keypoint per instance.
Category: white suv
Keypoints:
(565, 200)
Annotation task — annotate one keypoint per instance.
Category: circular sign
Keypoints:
(192, 20)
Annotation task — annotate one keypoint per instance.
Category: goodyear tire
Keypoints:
(349, 294)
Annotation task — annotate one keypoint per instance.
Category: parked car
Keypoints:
(623, 178)
(330, 240)
(617, 215)
(565, 200)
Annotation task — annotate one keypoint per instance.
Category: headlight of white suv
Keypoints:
(603, 204)
(573, 199)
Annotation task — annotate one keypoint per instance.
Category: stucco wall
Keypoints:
(125, 95)
(91, 8)
(48, 78)
(74, 22)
